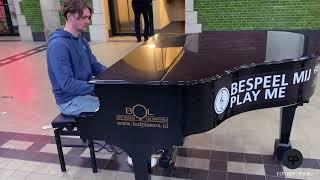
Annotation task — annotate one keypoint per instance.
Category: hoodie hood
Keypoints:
(61, 33)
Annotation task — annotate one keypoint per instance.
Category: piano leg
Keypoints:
(141, 158)
(141, 165)
(283, 144)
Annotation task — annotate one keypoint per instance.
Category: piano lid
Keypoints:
(183, 59)
(220, 52)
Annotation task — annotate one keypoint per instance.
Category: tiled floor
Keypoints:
(239, 148)
(41, 160)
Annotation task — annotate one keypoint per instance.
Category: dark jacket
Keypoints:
(71, 65)
(141, 2)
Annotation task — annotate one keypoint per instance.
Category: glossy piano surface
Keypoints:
(209, 54)
(174, 58)
(147, 64)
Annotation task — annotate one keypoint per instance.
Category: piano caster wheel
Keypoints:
(70, 126)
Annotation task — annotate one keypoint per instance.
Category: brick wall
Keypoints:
(62, 19)
(222, 15)
(32, 11)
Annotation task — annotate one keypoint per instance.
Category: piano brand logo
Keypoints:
(141, 116)
(138, 111)
(222, 100)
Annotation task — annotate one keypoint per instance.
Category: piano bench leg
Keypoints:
(280, 149)
(59, 148)
(92, 156)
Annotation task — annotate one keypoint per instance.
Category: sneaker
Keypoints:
(165, 162)
(154, 161)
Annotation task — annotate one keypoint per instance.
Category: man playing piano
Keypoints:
(71, 63)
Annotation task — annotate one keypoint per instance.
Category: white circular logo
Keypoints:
(222, 100)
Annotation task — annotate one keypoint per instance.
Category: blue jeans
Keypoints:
(79, 105)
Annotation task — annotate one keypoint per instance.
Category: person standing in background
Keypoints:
(141, 7)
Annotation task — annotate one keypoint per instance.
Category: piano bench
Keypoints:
(66, 126)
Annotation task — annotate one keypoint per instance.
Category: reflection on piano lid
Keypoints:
(284, 45)
(178, 85)
(148, 63)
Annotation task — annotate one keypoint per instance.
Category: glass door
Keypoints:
(122, 18)
(6, 26)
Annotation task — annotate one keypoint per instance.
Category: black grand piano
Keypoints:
(176, 85)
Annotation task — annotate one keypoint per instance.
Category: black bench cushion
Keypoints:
(62, 120)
